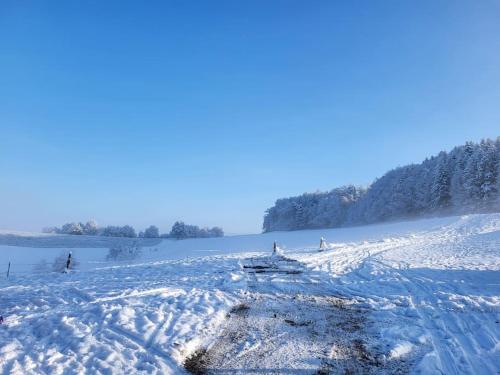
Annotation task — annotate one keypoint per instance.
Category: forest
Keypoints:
(464, 180)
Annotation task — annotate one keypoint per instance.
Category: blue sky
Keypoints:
(208, 111)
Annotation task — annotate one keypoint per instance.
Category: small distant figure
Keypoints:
(1, 319)
(275, 247)
(322, 244)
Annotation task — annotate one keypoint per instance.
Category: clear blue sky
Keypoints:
(143, 113)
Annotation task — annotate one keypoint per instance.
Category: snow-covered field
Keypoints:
(410, 297)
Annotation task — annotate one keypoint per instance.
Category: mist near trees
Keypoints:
(179, 231)
(464, 180)
(312, 210)
(150, 232)
(182, 231)
(92, 229)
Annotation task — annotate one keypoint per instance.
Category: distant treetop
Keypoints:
(179, 231)
(182, 231)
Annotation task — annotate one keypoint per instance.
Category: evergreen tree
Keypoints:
(440, 190)
(465, 180)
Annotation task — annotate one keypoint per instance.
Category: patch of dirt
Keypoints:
(239, 309)
(272, 270)
(290, 323)
(197, 363)
(256, 339)
(362, 353)
(257, 267)
(297, 324)
(323, 370)
(351, 324)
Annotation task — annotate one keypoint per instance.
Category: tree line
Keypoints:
(179, 231)
(464, 180)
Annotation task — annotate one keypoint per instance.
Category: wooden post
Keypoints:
(68, 262)
(8, 270)
(322, 244)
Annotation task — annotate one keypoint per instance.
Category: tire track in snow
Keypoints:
(441, 325)
(144, 347)
(290, 322)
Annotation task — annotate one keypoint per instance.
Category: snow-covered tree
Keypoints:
(440, 188)
(72, 228)
(216, 232)
(151, 232)
(90, 228)
(180, 230)
(464, 180)
(487, 170)
(312, 210)
(116, 231)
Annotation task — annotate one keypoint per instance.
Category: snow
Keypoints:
(420, 296)
(401, 349)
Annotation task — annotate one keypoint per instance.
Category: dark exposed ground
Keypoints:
(287, 326)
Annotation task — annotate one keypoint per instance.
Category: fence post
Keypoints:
(8, 270)
(322, 244)
(68, 262)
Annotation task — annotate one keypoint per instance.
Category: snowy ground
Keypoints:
(417, 297)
